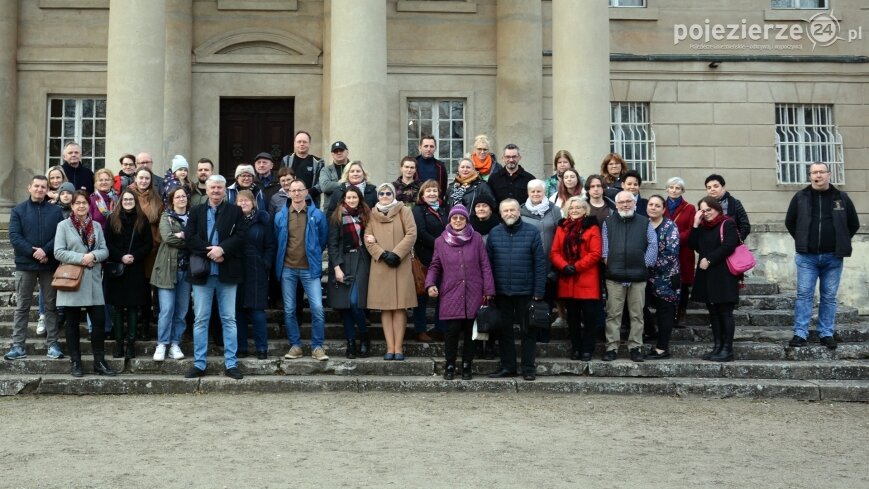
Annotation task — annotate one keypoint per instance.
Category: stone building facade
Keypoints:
(751, 89)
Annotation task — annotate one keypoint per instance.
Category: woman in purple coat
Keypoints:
(461, 276)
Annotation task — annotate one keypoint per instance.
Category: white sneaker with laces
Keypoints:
(160, 353)
(40, 325)
(175, 352)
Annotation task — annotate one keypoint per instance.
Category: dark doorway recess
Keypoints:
(249, 126)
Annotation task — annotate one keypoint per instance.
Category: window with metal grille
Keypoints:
(627, 3)
(632, 137)
(442, 118)
(805, 134)
(79, 119)
(796, 4)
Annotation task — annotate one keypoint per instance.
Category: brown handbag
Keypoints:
(419, 273)
(67, 277)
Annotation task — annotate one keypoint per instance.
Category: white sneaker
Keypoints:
(40, 326)
(160, 353)
(175, 352)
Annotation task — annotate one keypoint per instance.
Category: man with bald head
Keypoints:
(144, 160)
(630, 247)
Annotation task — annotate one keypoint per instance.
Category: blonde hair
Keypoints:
(346, 172)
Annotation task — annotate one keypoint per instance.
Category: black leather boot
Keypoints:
(450, 370)
(75, 364)
(351, 349)
(101, 367)
(467, 371)
(725, 354)
(364, 345)
(716, 337)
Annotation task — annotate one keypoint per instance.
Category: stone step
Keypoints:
(844, 390)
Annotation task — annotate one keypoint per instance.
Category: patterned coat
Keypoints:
(683, 216)
(665, 278)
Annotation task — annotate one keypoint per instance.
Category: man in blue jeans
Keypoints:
(216, 230)
(302, 231)
(822, 220)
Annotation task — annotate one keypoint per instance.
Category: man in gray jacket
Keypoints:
(32, 226)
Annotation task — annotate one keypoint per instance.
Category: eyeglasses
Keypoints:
(707, 210)
(625, 202)
(819, 172)
(481, 150)
(80, 203)
(387, 194)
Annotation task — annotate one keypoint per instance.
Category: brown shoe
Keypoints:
(424, 338)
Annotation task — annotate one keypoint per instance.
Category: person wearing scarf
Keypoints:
(460, 277)
(714, 237)
(104, 198)
(576, 252)
(430, 218)
(485, 216)
(389, 238)
(78, 242)
(349, 265)
(468, 187)
(681, 212)
(483, 159)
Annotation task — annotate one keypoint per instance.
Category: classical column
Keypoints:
(178, 92)
(9, 89)
(581, 81)
(357, 110)
(136, 80)
(519, 82)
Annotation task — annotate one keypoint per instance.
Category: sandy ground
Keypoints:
(429, 440)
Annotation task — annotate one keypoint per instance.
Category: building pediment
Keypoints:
(259, 46)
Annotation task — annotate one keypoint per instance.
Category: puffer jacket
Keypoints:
(517, 259)
(462, 275)
(545, 225)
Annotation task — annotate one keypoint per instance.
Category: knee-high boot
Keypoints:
(715, 319)
(118, 328)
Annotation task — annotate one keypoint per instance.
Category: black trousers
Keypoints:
(73, 332)
(665, 313)
(582, 316)
(514, 309)
(456, 328)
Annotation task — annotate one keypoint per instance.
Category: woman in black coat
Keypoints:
(354, 175)
(252, 299)
(129, 240)
(430, 217)
(715, 238)
(349, 266)
(468, 187)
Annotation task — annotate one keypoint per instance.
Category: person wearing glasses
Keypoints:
(331, 173)
(484, 160)
(822, 220)
(389, 238)
(511, 181)
(126, 175)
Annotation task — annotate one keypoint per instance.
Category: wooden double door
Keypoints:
(249, 126)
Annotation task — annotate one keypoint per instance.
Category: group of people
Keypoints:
(592, 248)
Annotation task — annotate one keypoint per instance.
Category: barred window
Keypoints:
(82, 120)
(805, 134)
(798, 4)
(442, 118)
(627, 3)
(632, 137)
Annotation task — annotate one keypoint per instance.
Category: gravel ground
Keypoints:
(429, 440)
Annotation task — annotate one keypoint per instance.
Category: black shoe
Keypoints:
(637, 355)
(450, 372)
(501, 374)
(242, 354)
(586, 357)
(467, 371)
(194, 373)
(350, 353)
(529, 376)
(797, 342)
(574, 355)
(609, 356)
(119, 349)
(130, 349)
(233, 373)
(75, 369)
(725, 355)
(102, 368)
(654, 355)
(829, 342)
(262, 355)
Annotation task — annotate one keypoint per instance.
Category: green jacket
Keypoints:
(166, 264)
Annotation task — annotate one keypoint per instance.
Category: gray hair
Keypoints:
(536, 183)
(676, 181)
(216, 179)
(508, 201)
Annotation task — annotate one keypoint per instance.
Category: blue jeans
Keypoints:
(810, 267)
(354, 317)
(257, 317)
(202, 298)
(290, 277)
(173, 310)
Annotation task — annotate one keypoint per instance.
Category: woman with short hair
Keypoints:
(430, 216)
(468, 187)
(681, 212)
(484, 160)
(407, 184)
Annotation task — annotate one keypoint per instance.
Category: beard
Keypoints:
(627, 214)
(511, 221)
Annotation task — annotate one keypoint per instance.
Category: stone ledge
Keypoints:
(441, 6)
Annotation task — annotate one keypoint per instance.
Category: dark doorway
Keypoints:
(249, 126)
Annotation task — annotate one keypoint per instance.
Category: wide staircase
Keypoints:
(765, 367)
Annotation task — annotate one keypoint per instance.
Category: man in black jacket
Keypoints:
(216, 230)
(32, 226)
(511, 181)
(822, 221)
(519, 268)
(79, 175)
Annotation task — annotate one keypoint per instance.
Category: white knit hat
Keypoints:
(179, 162)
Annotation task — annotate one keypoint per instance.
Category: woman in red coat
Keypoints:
(576, 251)
(682, 213)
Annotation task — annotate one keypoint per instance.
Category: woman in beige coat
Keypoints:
(389, 238)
